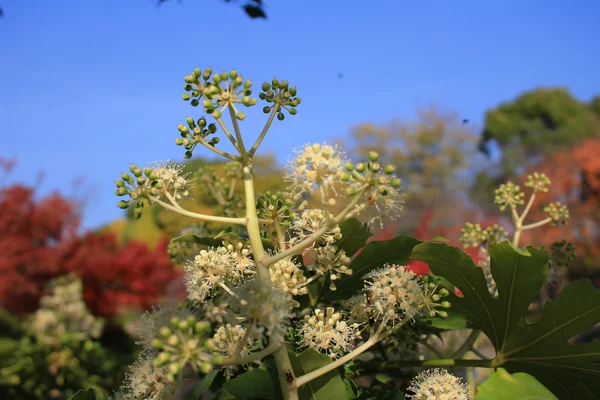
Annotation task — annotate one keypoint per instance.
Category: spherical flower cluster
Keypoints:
(378, 186)
(557, 212)
(316, 166)
(509, 195)
(213, 269)
(161, 316)
(394, 292)
(64, 312)
(474, 235)
(310, 221)
(438, 384)
(148, 382)
(283, 206)
(326, 332)
(170, 177)
(287, 277)
(261, 302)
(330, 260)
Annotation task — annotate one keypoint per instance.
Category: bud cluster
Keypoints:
(280, 206)
(509, 195)
(434, 294)
(287, 277)
(557, 212)
(183, 341)
(473, 235)
(382, 195)
(538, 182)
(195, 132)
(281, 94)
(332, 261)
(224, 90)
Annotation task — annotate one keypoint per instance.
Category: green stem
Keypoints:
(238, 134)
(264, 131)
(267, 351)
(202, 217)
(218, 151)
(527, 207)
(536, 224)
(228, 134)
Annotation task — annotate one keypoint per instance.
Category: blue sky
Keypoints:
(87, 87)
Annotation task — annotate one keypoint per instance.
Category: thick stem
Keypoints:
(264, 131)
(282, 359)
(536, 224)
(202, 217)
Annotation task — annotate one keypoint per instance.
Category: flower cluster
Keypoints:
(317, 166)
(64, 312)
(281, 95)
(557, 212)
(196, 132)
(326, 332)
(287, 277)
(264, 304)
(332, 261)
(313, 220)
(538, 182)
(281, 206)
(214, 269)
(147, 381)
(438, 384)
(394, 293)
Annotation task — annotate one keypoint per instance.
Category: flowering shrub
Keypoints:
(281, 298)
(39, 242)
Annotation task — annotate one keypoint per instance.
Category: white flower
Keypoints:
(330, 260)
(311, 221)
(171, 178)
(316, 165)
(394, 293)
(147, 382)
(287, 277)
(383, 199)
(214, 269)
(438, 384)
(326, 332)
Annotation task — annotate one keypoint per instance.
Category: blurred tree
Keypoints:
(539, 120)
(40, 242)
(435, 156)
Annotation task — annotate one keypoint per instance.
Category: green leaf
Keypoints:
(453, 321)
(540, 349)
(254, 384)
(88, 394)
(374, 255)
(504, 386)
(354, 236)
(204, 384)
(327, 386)
(199, 240)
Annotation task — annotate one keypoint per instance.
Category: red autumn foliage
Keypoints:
(39, 242)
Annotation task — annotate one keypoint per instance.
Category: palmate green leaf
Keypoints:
(540, 349)
(520, 386)
(354, 236)
(374, 255)
(327, 386)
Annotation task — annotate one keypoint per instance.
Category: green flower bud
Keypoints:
(248, 84)
(187, 87)
(154, 191)
(187, 154)
(375, 167)
(182, 128)
(189, 78)
(132, 167)
(266, 109)
(137, 172)
(217, 78)
(293, 90)
(165, 332)
(147, 171)
(190, 122)
(389, 169)
(194, 103)
(174, 368)
(224, 75)
(349, 166)
(207, 73)
(162, 358)
(197, 72)
(373, 156)
(445, 304)
(425, 279)
(186, 96)
(431, 313)
(123, 204)
(233, 74)
(395, 183)
(280, 116)
(443, 314)
(173, 340)
(360, 167)
(275, 83)
(345, 177)
(435, 297)
(444, 292)
(140, 180)
(351, 191)
(207, 103)
(265, 86)
(120, 183)
(134, 196)
(157, 344)
(241, 116)
(206, 368)
(126, 177)
(293, 111)
(217, 114)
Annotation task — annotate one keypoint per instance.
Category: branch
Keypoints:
(202, 217)
(238, 134)
(264, 131)
(536, 224)
(222, 153)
